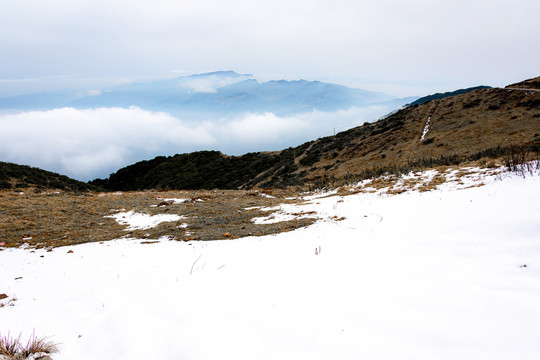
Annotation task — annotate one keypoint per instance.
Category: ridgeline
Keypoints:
(14, 176)
(445, 129)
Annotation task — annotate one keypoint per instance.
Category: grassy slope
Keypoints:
(477, 124)
(22, 176)
(473, 125)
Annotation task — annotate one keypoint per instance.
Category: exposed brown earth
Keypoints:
(533, 83)
(461, 125)
(58, 218)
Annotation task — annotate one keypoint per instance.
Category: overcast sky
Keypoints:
(402, 47)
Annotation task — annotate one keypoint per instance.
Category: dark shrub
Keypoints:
(472, 104)
(428, 141)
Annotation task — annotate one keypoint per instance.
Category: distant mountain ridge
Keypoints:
(218, 93)
(485, 123)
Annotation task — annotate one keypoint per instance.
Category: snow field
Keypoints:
(419, 275)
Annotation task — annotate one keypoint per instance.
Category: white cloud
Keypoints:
(263, 128)
(210, 84)
(93, 92)
(464, 41)
(86, 144)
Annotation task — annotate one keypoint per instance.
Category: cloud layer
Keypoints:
(86, 144)
(463, 42)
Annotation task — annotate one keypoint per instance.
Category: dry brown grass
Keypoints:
(12, 348)
(55, 219)
(426, 181)
(36, 345)
(9, 347)
(501, 117)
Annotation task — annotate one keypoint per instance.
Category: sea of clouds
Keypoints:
(92, 143)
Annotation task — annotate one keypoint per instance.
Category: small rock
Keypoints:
(3, 296)
(70, 252)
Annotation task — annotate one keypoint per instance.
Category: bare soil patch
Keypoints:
(55, 218)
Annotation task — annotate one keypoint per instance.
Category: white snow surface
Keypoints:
(176, 201)
(136, 221)
(426, 129)
(446, 274)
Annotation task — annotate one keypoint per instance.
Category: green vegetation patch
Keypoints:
(25, 176)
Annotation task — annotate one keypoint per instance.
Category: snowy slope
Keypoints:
(447, 274)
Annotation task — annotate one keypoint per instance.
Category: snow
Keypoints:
(419, 275)
(284, 213)
(426, 129)
(266, 195)
(136, 221)
(176, 201)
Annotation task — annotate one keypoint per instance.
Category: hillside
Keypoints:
(198, 170)
(484, 123)
(481, 124)
(436, 96)
(21, 176)
(533, 83)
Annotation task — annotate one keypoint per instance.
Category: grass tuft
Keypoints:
(523, 160)
(38, 345)
(12, 348)
(9, 346)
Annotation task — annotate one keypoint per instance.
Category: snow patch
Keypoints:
(176, 201)
(265, 195)
(426, 129)
(141, 221)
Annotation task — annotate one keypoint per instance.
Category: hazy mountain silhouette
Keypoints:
(219, 93)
